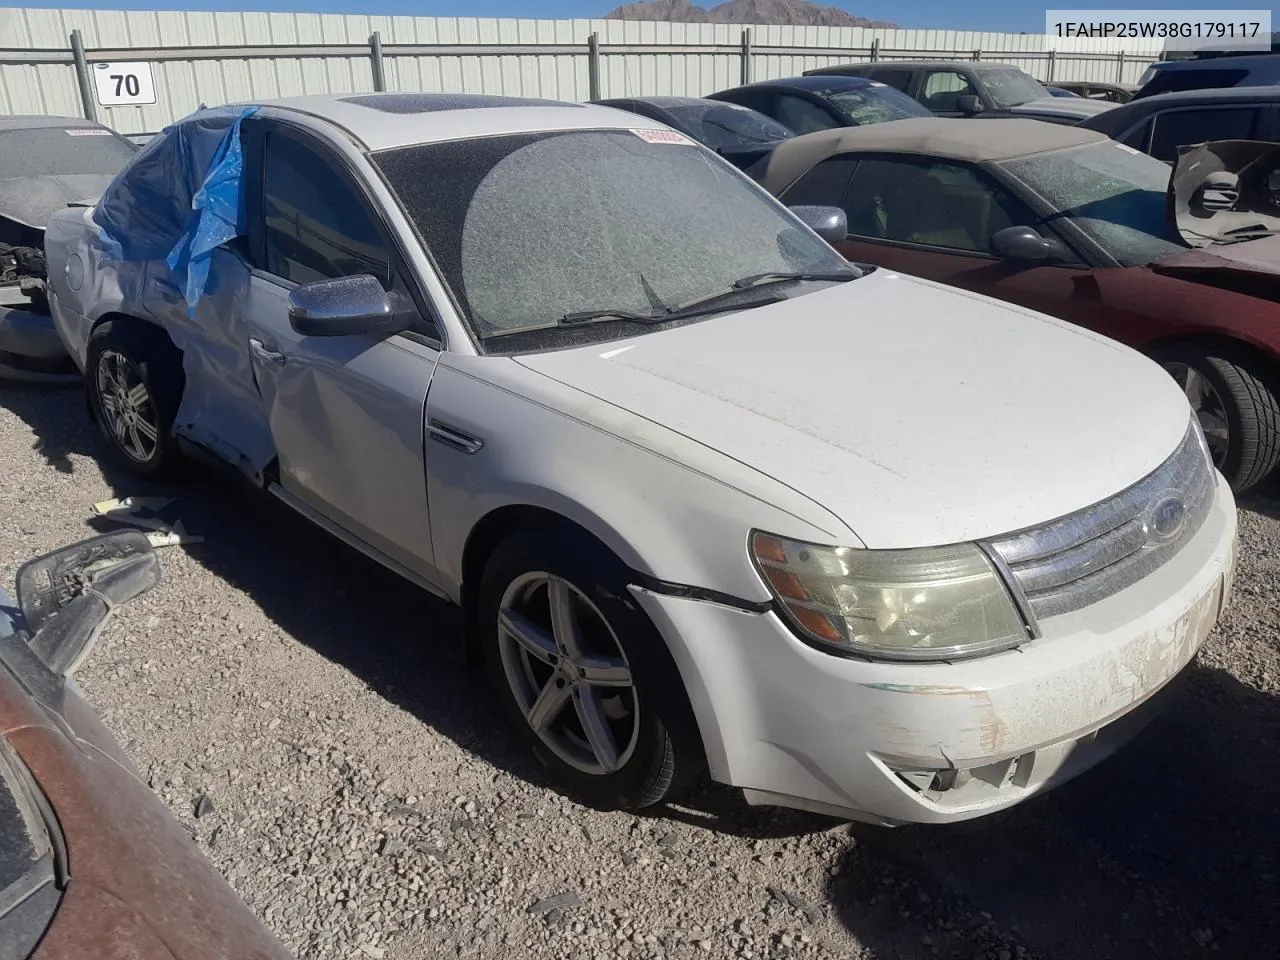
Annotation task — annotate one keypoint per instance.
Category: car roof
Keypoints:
(972, 140)
(818, 83)
(1124, 115)
(666, 101)
(1096, 84)
(383, 121)
(969, 65)
(39, 122)
(1218, 63)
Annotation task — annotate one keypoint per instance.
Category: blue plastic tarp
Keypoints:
(181, 197)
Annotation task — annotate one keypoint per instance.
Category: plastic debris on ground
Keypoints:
(142, 512)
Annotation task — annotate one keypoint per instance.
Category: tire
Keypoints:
(139, 356)
(1243, 392)
(657, 751)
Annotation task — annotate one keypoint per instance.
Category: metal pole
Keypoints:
(746, 56)
(375, 56)
(1052, 55)
(593, 66)
(875, 49)
(82, 77)
(1120, 67)
(977, 55)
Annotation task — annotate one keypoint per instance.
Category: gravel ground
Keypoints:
(305, 715)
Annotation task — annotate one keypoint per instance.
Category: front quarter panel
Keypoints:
(666, 505)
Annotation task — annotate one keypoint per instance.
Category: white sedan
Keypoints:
(710, 498)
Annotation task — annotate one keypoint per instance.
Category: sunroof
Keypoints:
(438, 102)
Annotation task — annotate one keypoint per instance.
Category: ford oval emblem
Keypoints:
(1166, 519)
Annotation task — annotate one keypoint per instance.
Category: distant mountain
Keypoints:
(798, 13)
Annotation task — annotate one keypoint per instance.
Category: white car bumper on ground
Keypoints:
(938, 742)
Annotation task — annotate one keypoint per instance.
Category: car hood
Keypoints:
(916, 413)
(31, 201)
(1064, 106)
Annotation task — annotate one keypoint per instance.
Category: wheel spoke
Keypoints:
(135, 441)
(146, 429)
(121, 430)
(1214, 426)
(138, 394)
(548, 704)
(604, 672)
(1193, 387)
(596, 726)
(564, 619)
(532, 638)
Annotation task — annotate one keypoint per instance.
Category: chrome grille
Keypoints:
(1086, 556)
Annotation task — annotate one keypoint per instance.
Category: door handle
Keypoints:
(450, 437)
(259, 350)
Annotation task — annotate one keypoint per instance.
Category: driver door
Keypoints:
(345, 412)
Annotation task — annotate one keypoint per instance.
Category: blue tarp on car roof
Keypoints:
(180, 198)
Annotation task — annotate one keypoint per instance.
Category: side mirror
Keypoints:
(1025, 245)
(345, 306)
(66, 596)
(968, 104)
(830, 223)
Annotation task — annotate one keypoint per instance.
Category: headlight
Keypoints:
(935, 603)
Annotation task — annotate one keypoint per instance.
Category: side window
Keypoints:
(1178, 127)
(931, 204)
(942, 88)
(1137, 137)
(898, 79)
(801, 115)
(824, 185)
(315, 225)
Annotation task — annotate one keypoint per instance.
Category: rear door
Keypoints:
(346, 413)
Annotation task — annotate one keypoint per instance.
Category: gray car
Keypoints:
(46, 163)
(964, 89)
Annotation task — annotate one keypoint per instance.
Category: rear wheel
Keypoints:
(583, 675)
(1234, 396)
(134, 380)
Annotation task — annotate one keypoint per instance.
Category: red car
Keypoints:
(1069, 223)
(92, 865)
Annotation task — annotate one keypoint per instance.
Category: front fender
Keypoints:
(669, 507)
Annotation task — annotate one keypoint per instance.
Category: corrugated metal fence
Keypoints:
(46, 57)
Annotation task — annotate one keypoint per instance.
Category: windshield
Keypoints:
(1012, 87)
(725, 125)
(1113, 193)
(876, 104)
(62, 152)
(529, 228)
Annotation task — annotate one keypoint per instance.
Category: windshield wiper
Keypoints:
(781, 276)
(697, 309)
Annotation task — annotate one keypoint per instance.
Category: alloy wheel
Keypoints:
(567, 671)
(127, 408)
(1207, 406)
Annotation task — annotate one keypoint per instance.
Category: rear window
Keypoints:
(62, 152)
(1171, 81)
(876, 104)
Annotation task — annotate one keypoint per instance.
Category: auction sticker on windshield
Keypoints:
(662, 136)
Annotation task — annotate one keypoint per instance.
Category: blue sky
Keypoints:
(996, 15)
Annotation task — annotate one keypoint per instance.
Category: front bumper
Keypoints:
(30, 348)
(939, 742)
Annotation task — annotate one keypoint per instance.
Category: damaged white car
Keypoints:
(711, 498)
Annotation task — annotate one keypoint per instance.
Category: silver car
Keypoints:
(710, 497)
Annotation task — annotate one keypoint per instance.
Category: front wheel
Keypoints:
(1234, 397)
(134, 378)
(583, 675)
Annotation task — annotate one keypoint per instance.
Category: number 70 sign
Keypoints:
(118, 84)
